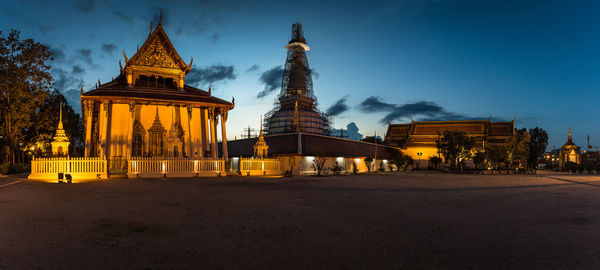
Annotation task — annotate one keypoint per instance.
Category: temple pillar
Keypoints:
(204, 129)
(191, 144)
(88, 107)
(225, 155)
(107, 138)
(213, 134)
(129, 150)
(102, 129)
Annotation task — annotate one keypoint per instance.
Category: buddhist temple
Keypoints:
(296, 109)
(569, 152)
(149, 111)
(423, 137)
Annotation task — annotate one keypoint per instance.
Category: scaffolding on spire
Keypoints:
(296, 106)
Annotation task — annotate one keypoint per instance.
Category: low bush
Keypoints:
(6, 168)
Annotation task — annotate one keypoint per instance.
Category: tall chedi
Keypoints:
(60, 142)
(296, 108)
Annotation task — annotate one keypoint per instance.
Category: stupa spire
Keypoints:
(570, 134)
(60, 123)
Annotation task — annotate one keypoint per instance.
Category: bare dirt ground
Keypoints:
(401, 221)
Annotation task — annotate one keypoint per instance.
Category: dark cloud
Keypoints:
(78, 70)
(214, 37)
(422, 110)
(374, 104)
(253, 68)
(85, 55)
(271, 79)
(109, 48)
(210, 75)
(85, 6)
(338, 107)
(126, 18)
(73, 97)
(58, 56)
(64, 80)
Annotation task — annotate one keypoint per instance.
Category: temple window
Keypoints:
(138, 139)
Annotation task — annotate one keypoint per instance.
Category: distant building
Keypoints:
(296, 109)
(297, 151)
(423, 137)
(569, 152)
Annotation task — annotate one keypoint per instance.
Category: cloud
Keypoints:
(78, 70)
(85, 6)
(109, 48)
(73, 97)
(211, 74)
(214, 37)
(338, 107)
(253, 68)
(271, 79)
(374, 104)
(85, 55)
(64, 80)
(58, 56)
(126, 18)
(422, 110)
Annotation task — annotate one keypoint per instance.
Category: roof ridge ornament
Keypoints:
(125, 56)
(160, 18)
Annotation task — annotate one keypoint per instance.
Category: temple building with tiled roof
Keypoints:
(149, 111)
(569, 152)
(423, 136)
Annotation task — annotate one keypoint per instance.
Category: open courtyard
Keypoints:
(394, 221)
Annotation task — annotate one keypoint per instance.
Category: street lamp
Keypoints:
(419, 154)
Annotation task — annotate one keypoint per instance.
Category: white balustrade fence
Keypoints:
(77, 167)
(260, 166)
(174, 167)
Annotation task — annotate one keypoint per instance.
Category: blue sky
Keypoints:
(538, 61)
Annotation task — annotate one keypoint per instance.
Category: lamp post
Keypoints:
(419, 154)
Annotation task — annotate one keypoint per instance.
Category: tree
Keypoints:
(517, 147)
(537, 146)
(318, 164)
(456, 146)
(479, 159)
(399, 160)
(368, 163)
(44, 123)
(495, 155)
(24, 84)
(435, 161)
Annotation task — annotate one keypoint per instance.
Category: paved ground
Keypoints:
(405, 221)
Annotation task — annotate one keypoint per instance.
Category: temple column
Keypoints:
(130, 130)
(107, 139)
(88, 110)
(191, 144)
(102, 127)
(224, 135)
(213, 134)
(204, 128)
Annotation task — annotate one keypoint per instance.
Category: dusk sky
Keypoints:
(538, 61)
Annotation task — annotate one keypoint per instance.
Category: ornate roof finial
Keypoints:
(570, 133)
(191, 62)
(120, 66)
(209, 91)
(160, 18)
(60, 123)
(81, 90)
(260, 135)
(150, 29)
(125, 56)
(99, 82)
(233, 100)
